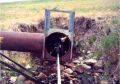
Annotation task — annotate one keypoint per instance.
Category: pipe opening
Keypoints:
(57, 43)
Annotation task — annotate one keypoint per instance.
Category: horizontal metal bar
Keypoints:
(56, 10)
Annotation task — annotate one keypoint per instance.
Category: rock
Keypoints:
(76, 61)
(104, 82)
(27, 66)
(13, 79)
(28, 82)
(90, 61)
(96, 74)
(82, 67)
(99, 64)
(42, 76)
(83, 51)
(68, 70)
(88, 52)
(80, 59)
(70, 65)
(20, 79)
(64, 74)
(85, 66)
(54, 68)
(79, 69)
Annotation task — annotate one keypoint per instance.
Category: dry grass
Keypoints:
(12, 13)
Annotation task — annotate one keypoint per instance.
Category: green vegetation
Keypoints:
(110, 41)
(97, 54)
(92, 40)
(115, 21)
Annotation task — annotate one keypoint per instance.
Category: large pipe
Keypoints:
(55, 43)
(22, 41)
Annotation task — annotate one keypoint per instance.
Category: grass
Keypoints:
(33, 10)
(110, 41)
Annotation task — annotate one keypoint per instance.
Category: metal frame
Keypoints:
(70, 27)
(71, 18)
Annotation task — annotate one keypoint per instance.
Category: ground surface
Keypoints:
(33, 10)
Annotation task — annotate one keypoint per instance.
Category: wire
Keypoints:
(16, 63)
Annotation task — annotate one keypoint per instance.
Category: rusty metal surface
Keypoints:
(28, 42)
(22, 41)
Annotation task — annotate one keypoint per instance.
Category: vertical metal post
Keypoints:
(71, 22)
(71, 30)
(47, 20)
(46, 28)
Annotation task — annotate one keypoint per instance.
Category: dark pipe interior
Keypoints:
(54, 45)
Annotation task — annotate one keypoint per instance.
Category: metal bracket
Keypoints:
(47, 18)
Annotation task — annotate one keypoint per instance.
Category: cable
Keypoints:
(16, 63)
